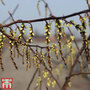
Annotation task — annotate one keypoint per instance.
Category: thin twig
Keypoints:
(32, 79)
(47, 6)
(12, 14)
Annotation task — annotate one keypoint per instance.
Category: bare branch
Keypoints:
(44, 19)
(12, 14)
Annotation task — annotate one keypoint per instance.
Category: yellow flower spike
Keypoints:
(53, 84)
(48, 81)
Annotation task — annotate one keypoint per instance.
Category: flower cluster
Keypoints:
(35, 59)
(28, 52)
(38, 81)
(22, 31)
(60, 28)
(11, 53)
(31, 34)
(53, 83)
(49, 82)
(47, 34)
(55, 49)
(45, 74)
(2, 38)
(43, 58)
(83, 33)
(69, 43)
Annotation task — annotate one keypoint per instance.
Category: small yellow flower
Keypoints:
(38, 81)
(84, 19)
(67, 25)
(69, 84)
(60, 21)
(53, 84)
(72, 37)
(4, 36)
(69, 44)
(70, 25)
(45, 74)
(56, 24)
(23, 31)
(48, 81)
(30, 28)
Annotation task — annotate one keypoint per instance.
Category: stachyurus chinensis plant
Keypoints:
(42, 58)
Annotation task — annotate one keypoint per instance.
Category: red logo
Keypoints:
(6, 83)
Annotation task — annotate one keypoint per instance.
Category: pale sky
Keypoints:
(28, 10)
